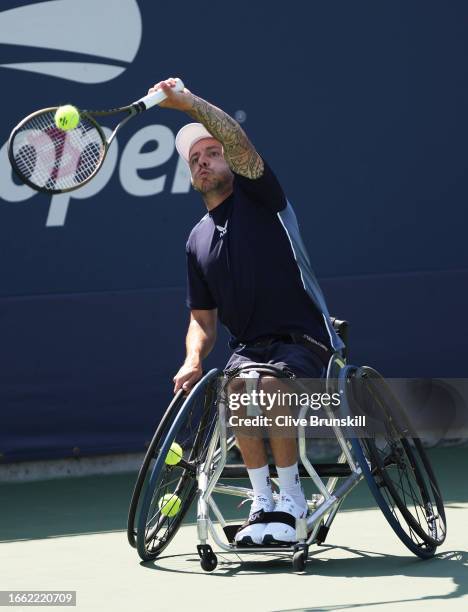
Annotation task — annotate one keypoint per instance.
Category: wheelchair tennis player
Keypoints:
(247, 266)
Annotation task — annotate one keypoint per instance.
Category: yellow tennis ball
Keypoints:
(67, 117)
(174, 455)
(170, 504)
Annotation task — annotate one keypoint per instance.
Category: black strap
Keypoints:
(306, 340)
(270, 517)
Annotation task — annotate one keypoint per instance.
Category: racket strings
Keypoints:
(55, 159)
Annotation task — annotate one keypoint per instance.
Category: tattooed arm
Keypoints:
(239, 152)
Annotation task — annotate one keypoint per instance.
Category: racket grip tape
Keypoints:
(156, 97)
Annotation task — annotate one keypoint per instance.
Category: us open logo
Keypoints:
(66, 26)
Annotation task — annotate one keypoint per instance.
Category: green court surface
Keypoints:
(68, 534)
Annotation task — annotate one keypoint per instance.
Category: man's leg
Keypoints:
(252, 448)
(283, 442)
(284, 451)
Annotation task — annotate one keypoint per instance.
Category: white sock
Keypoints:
(290, 483)
(260, 479)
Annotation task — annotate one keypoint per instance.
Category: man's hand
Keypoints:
(178, 100)
(187, 376)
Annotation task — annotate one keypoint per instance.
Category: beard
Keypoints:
(214, 183)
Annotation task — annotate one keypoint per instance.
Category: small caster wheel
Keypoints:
(208, 560)
(209, 563)
(300, 557)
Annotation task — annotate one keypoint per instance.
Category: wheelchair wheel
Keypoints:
(148, 461)
(403, 463)
(172, 488)
(394, 463)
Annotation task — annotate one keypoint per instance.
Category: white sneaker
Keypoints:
(250, 535)
(285, 533)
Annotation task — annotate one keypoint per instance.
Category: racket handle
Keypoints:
(158, 96)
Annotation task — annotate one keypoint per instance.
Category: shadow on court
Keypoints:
(96, 504)
(452, 565)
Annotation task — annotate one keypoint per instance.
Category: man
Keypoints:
(248, 267)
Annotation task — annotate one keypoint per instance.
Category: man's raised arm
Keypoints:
(239, 152)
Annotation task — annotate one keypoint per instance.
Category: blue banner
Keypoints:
(359, 107)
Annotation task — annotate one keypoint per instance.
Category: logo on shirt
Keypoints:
(222, 229)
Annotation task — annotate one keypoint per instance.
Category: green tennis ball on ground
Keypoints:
(67, 117)
(170, 504)
(174, 455)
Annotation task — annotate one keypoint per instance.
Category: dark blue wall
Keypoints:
(360, 107)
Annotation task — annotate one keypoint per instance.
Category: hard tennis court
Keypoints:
(68, 534)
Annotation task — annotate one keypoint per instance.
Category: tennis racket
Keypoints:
(52, 160)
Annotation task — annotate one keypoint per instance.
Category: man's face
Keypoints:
(208, 167)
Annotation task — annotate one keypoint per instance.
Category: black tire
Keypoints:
(299, 560)
(192, 427)
(209, 562)
(402, 461)
(145, 469)
(377, 463)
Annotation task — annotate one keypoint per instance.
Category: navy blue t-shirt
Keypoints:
(240, 260)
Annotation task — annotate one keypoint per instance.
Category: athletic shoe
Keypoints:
(285, 533)
(251, 535)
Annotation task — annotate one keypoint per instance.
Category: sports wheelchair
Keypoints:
(187, 461)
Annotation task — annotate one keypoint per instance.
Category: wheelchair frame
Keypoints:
(323, 506)
(353, 464)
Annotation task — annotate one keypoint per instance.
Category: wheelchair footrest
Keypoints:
(230, 532)
(322, 469)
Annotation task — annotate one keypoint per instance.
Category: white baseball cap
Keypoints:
(188, 136)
